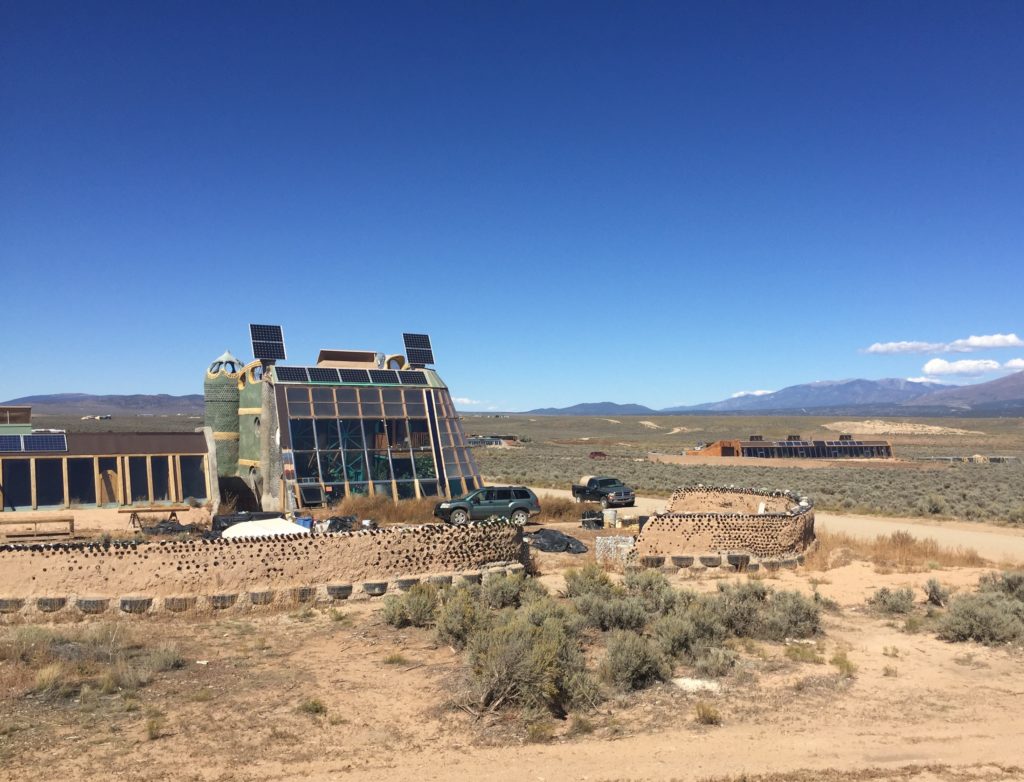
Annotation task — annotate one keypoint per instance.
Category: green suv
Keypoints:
(516, 503)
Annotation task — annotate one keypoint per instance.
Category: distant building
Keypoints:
(796, 447)
(357, 423)
(50, 470)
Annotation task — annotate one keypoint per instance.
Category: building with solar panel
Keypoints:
(49, 470)
(796, 447)
(357, 423)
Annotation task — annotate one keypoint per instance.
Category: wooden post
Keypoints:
(149, 477)
(96, 479)
(32, 481)
(67, 492)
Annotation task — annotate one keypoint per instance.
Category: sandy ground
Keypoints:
(999, 544)
(235, 716)
(893, 427)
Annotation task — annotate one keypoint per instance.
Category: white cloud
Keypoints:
(1014, 363)
(967, 345)
(738, 394)
(922, 380)
(462, 400)
(906, 347)
(967, 367)
(985, 343)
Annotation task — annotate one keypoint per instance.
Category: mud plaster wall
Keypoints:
(711, 500)
(766, 536)
(210, 567)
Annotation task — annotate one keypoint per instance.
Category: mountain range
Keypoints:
(112, 404)
(889, 396)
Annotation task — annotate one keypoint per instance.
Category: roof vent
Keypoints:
(793, 438)
(846, 437)
(756, 438)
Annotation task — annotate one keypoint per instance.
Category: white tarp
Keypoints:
(262, 528)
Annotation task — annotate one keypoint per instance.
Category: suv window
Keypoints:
(521, 494)
(502, 495)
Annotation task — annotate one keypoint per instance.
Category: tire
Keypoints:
(459, 516)
(579, 499)
(604, 503)
(520, 517)
(631, 504)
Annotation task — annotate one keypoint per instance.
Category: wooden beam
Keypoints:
(67, 493)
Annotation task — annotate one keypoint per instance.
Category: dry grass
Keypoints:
(899, 551)
(382, 510)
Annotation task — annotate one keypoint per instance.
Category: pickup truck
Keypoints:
(610, 492)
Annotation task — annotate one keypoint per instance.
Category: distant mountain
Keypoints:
(595, 408)
(112, 404)
(1005, 394)
(824, 393)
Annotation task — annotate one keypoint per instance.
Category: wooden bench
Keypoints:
(170, 511)
(36, 535)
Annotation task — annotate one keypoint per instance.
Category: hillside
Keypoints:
(112, 404)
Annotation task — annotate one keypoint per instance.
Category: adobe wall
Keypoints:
(198, 567)
(784, 531)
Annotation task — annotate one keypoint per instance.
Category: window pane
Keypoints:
(138, 475)
(398, 433)
(332, 470)
(419, 434)
(358, 488)
(382, 489)
(17, 484)
(327, 434)
(355, 466)
(193, 477)
(306, 466)
(376, 434)
(50, 481)
(302, 434)
(351, 435)
(81, 482)
(369, 398)
(428, 488)
(454, 487)
(424, 463)
(161, 480)
(380, 465)
(406, 490)
(297, 394)
(401, 462)
(323, 403)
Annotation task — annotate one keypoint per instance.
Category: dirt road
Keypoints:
(1000, 544)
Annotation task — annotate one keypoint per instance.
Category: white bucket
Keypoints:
(610, 518)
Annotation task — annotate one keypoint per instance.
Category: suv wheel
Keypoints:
(459, 516)
(604, 502)
(520, 517)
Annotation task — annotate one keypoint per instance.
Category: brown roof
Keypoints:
(119, 443)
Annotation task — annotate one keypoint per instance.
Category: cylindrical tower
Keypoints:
(220, 393)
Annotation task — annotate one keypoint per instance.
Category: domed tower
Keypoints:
(220, 393)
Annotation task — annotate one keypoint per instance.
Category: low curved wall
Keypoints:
(770, 535)
(198, 568)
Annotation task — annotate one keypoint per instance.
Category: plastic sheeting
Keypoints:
(263, 528)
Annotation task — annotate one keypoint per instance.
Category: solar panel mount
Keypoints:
(418, 350)
(267, 342)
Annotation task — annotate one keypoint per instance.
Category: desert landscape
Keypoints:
(893, 652)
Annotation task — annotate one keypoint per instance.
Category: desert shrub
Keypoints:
(504, 591)
(633, 662)
(588, 580)
(517, 663)
(460, 614)
(935, 593)
(986, 617)
(740, 606)
(313, 707)
(789, 615)
(1009, 583)
(892, 601)
(539, 611)
(706, 714)
(844, 665)
(714, 662)
(617, 613)
(653, 590)
(416, 607)
(686, 634)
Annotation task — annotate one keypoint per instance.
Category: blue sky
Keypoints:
(638, 202)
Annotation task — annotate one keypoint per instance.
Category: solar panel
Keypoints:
(45, 442)
(410, 378)
(354, 376)
(268, 351)
(384, 376)
(323, 374)
(10, 443)
(267, 342)
(291, 374)
(418, 349)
